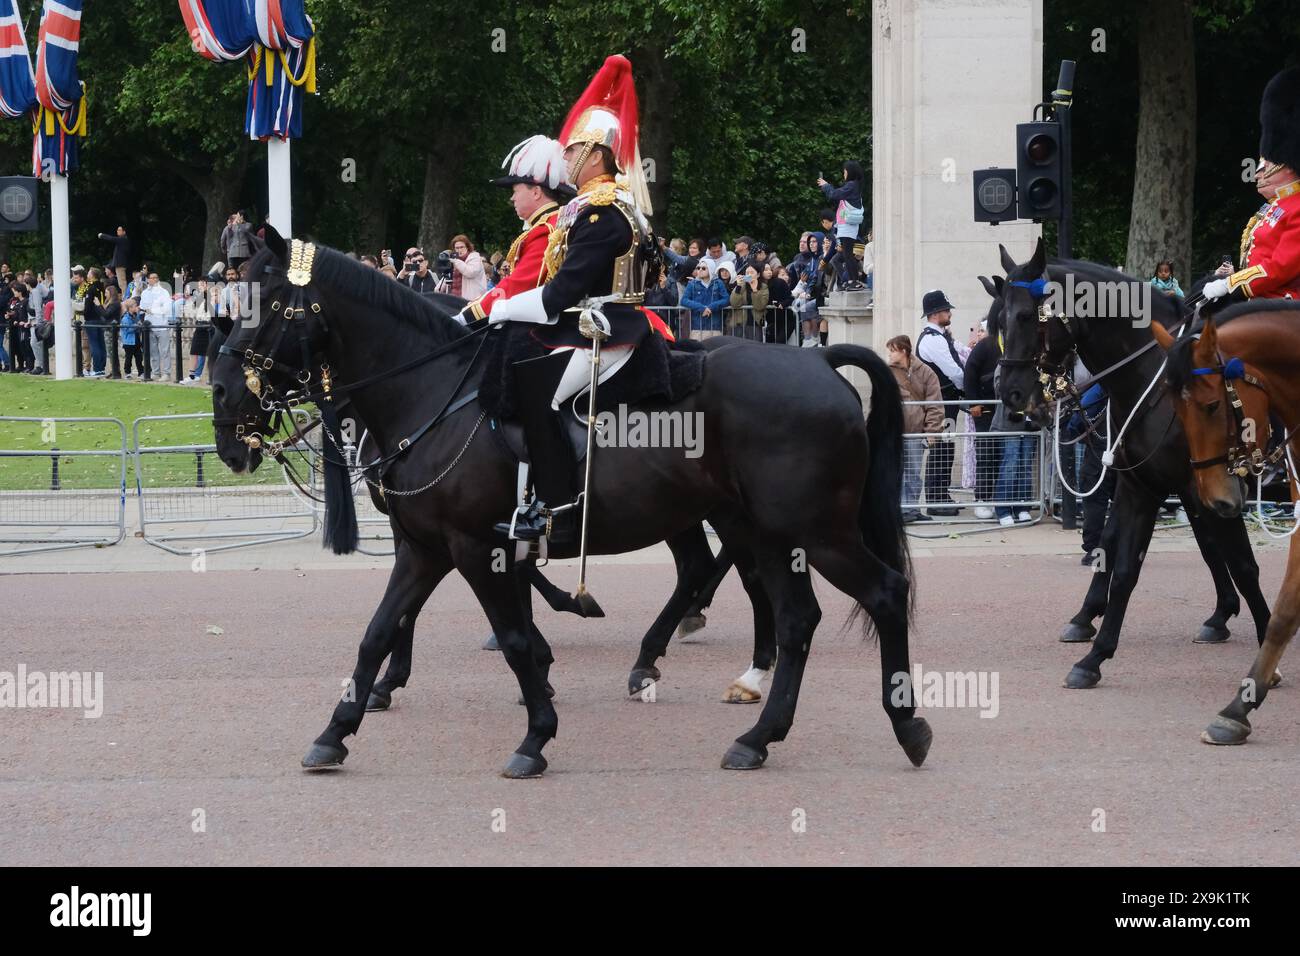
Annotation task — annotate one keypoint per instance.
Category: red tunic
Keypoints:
(1270, 252)
(527, 269)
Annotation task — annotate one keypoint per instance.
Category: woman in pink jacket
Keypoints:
(468, 280)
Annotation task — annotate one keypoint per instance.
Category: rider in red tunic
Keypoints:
(1270, 245)
(537, 190)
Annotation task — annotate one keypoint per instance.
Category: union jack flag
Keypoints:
(57, 84)
(278, 39)
(61, 118)
(17, 82)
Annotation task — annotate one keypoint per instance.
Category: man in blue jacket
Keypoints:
(706, 297)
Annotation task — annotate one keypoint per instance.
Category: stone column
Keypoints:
(950, 79)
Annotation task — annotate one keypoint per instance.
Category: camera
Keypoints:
(443, 268)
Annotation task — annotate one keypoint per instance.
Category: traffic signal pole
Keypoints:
(1062, 98)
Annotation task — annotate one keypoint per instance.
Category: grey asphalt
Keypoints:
(217, 723)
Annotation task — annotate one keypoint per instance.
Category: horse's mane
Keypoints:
(352, 279)
(1257, 305)
(1166, 309)
(1178, 363)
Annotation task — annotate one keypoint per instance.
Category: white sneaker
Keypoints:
(1024, 516)
(1006, 521)
(983, 512)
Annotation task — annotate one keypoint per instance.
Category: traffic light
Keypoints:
(995, 195)
(18, 203)
(1038, 170)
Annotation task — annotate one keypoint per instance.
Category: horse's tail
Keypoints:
(880, 516)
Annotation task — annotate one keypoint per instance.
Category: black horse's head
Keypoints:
(263, 356)
(1022, 344)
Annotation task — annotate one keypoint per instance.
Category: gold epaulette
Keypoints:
(1246, 236)
(603, 195)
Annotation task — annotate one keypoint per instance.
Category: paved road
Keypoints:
(218, 723)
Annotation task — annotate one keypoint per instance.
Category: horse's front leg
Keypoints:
(1135, 515)
(1232, 724)
(1080, 629)
(694, 560)
(398, 671)
(500, 594)
(415, 574)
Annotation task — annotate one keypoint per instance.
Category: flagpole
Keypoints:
(64, 357)
(279, 197)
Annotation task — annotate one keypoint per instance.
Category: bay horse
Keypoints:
(1224, 383)
(337, 328)
(1151, 459)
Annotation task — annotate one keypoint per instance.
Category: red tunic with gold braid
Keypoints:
(1270, 249)
(526, 258)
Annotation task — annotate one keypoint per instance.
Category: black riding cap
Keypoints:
(1279, 119)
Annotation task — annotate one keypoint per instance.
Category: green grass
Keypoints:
(42, 397)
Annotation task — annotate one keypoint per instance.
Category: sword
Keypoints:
(593, 325)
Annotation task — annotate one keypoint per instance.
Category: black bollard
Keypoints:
(180, 359)
(54, 468)
(198, 463)
(117, 360)
(77, 333)
(148, 361)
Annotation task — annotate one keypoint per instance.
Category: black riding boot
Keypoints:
(550, 454)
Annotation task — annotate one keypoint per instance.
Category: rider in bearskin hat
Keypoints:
(1270, 245)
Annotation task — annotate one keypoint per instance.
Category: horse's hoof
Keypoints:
(1211, 635)
(378, 700)
(1080, 678)
(521, 766)
(738, 693)
(743, 757)
(324, 757)
(690, 625)
(550, 693)
(640, 679)
(1224, 731)
(915, 737)
(1275, 680)
(491, 643)
(1077, 634)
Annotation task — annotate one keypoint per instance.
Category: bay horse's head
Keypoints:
(1024, 345)
(270, 357)
(1226, 424)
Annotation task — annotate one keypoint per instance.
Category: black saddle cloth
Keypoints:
(654, 373)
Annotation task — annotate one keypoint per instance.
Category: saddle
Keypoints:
(654, 373)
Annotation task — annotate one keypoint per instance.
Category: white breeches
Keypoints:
(577, 376)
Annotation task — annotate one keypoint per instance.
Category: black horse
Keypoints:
(1151, 461)
(340, 328)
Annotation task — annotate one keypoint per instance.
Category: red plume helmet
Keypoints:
(611, 90)
(606, 115)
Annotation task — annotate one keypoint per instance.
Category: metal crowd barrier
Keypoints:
(81, 501)
(1021, 487)
(186, 487)
(777, 325)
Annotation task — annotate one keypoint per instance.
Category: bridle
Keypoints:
(258, 362)
(1053, 375)
(1246, 458)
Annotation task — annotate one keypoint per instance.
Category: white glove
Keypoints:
(1215, 290)
(463, 317)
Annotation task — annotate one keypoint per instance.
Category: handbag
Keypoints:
(853, 215)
